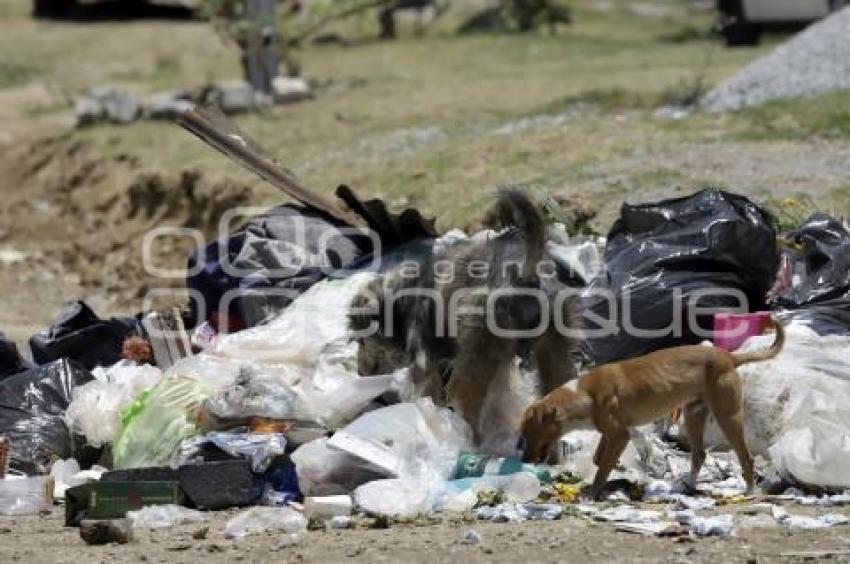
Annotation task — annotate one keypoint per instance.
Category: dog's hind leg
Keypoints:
(600, 450)
(695, 416)
(724, 397)
(482, 359)
(552, 355)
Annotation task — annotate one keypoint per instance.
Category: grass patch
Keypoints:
(15, 74)
(826, 116)
(790, 212)
(603, 100)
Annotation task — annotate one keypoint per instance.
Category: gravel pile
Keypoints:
(815, 60)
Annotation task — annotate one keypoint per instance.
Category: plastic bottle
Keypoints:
(471, 465)
(25, 496)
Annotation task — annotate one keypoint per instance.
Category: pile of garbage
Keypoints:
(814, 61)
(153, 420)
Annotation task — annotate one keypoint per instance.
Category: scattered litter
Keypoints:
(518, 512)
(695, 503)
(164, 516)
(339, 522)
(716, 525)
(626, 513)
(471, 536)
(810, 523)
(263, 519)
(653, 528)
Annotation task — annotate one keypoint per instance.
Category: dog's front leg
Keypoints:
(613, 446)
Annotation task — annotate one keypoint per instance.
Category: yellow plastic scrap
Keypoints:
(566, 493)
(734, 499)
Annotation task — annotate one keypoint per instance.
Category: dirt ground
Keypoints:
(437, 122)
(570, 539)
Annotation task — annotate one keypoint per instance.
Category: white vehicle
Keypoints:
(742, 21)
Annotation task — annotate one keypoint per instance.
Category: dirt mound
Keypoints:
(85, 218)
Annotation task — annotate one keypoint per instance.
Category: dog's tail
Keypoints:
(515, 208)
(767, 354)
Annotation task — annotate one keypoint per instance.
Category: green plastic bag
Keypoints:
(154, 425)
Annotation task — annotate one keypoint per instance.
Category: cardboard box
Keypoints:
(112, 500)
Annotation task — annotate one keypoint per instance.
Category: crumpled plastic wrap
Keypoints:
(328, 394)
(259, 448)
(95, 409)
(164, 516)
(326, 471)
(263, 519)
(407, 440)
(299, 334)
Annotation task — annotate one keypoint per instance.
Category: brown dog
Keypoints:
(615, 397)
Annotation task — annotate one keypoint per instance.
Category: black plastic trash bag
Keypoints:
(11, 361)
(822, 265)
(814, 282)
(831, 317)
(277, 255)
(80, 335)
(287, 249)
(32, 409)
(670, 259)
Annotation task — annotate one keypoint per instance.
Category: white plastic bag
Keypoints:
(796, 407)
(395, 497)
(95, 408)
(322, 470)
(263, 519)
(164, 516)
(415, 439)
(300, 332)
